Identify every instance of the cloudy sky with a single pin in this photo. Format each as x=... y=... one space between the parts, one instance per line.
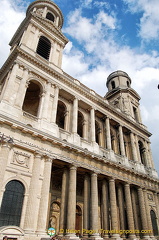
x=105 y=36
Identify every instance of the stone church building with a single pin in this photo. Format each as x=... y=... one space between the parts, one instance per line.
x=69 y=158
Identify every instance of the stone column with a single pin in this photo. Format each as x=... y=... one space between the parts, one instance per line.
x=71 y=214
x=149 y=222
x=121 y=207
x=44 y=12
x=7 y=96
x=137 y=149
x=156 y=196
x=75 y=115
x=113 y=208
x=41 y=104
x=84 y=129
x=86 y=204
x=108 y=136
x=105 y=204
x=121 y=139
x=129 y=211
x=22 y=89
x=31 y=209
x=133 y=147
x=66 y=122
x=46 y=102
x=55 y=105
x=135 y=212
x=150 y=155
x=94 y=203
x=44 y=200
x=64 y=196
x=142 y=212
x=4 y=154
x=93 y=137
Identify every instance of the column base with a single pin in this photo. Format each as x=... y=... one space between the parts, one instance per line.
x=146 y=237
x=95 y=237
x=71 y=237
x=133 y=237
x=116 y=237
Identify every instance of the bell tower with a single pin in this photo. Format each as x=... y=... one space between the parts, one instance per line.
x=26 y=78
x=122 y=96
x=40 y=33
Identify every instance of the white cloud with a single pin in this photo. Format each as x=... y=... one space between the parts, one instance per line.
x=89 y=30
x=9 y=21
x=149 y=22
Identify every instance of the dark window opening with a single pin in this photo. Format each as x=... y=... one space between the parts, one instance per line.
x=97 y=132
x=113 y=84
x=12 y=203
x=128 y=84
x=154 y=222
x=80 y=124
x=60 y=117
x=50 y=16
x=44 y=47
x=32 y=99
x=141 y=150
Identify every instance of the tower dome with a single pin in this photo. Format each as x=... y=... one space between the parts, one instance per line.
x=47 y=9
x=118 y=80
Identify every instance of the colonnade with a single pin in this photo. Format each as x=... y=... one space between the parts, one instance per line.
x=119 y=211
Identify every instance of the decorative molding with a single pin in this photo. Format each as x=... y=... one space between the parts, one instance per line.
x=22 y=159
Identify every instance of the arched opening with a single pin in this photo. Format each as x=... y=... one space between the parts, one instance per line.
x=80 y=124
x=113 y=84
x=50 y=16
x=32 y=99
x=44 y=47
x=97 y=132
x=60 y=117
x=78 y=227
x=128 y=84
x=54 y=215
x=12 y=203
x=154 y=223
x=141 y=151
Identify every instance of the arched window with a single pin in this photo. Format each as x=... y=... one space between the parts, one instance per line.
x=80 y=124
x=113 y=84
x=32 y=99
x=128 y=84
x=141 y=150
x=50 y=16
x=12 y=203
x=78 y=226
x=44 y=47
x=154 y=223
x=60 y=117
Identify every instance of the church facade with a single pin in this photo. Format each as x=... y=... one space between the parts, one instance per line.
x=70 y=159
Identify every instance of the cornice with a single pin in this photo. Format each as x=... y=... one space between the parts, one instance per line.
x=71 y=148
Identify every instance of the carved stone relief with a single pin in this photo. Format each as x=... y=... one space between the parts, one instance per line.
x=21 y=159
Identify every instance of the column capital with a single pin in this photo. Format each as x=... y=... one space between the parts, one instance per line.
x=37 y=154
x=111 y=180
x=73 y=167
x=94 y=173
x=48 y=159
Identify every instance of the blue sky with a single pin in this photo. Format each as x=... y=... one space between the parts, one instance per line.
x=105 y=36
